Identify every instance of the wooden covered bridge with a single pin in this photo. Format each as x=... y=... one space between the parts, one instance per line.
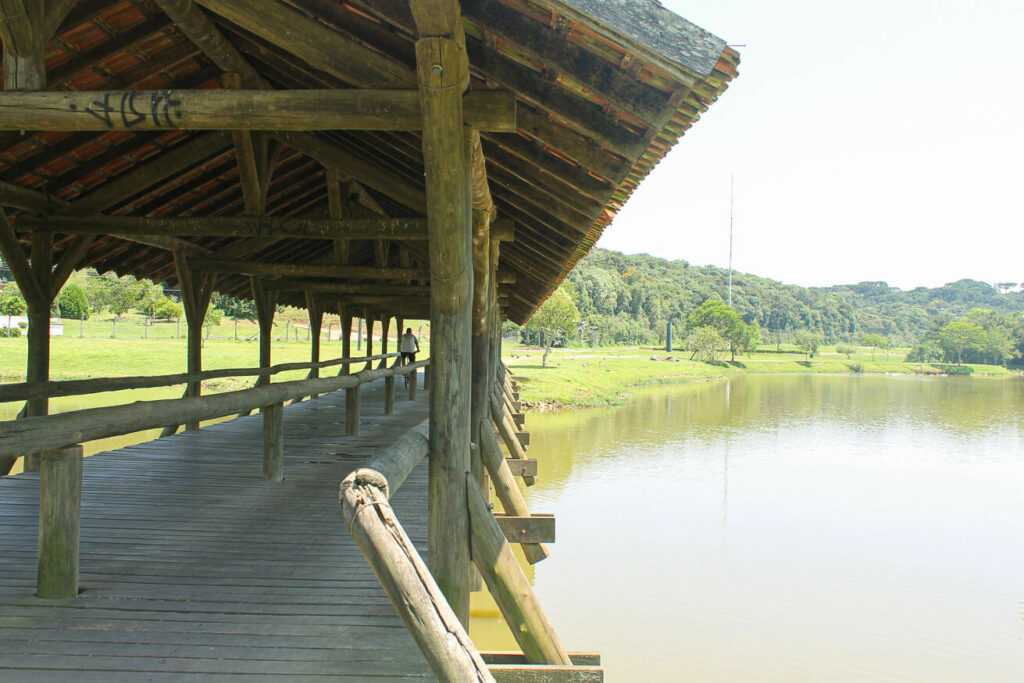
x=406 y=159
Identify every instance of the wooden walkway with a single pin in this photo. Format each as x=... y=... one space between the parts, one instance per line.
x=193 y=566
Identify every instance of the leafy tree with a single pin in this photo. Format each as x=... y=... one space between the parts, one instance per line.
x=166 y=309
x=745 y=338
x=847 y=349
x=556 y=318
x=808 y=341
x=72 y=303
x=238 y=309
x=706 y=342
x=960 y=336
x=875 y=341
x=11 y=301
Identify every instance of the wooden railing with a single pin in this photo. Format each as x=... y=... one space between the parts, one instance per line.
x=364 y=497
x=23 y=391
x=37 y=434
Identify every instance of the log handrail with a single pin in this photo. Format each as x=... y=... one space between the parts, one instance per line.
x=23 y=391
x=18 y=437
x=363 y=496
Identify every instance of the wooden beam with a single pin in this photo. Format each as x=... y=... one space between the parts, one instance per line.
x=393 y=185
x=232 y=226
x=547 y=44
x=503 y=230
x=522 y=468
x=148 y=174
x=305 y=270
x=53 y=14
x=18 y=197
x=286 y=110
x=506 y=277
x=348 y=288
x=314 y=43
x=533 y=528
x=18 y=26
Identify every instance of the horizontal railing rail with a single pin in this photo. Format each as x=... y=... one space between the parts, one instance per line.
x=35 y=434
x=24 y=391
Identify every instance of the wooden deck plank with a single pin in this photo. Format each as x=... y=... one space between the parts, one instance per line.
x=193 y=566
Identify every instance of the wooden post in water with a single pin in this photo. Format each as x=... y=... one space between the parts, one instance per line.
x=505 y=486
x=273 y=442
x=509 y=586
x=60 y=509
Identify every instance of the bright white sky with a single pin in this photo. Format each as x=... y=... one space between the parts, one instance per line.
x=878 y=140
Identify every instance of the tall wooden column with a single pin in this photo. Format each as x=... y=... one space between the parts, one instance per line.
x=316 y=323
x=40 y=280
x=266 y=304
x=369 y=338
x=385 y=326
x=481 y=387
x=196 y=290
x=345 y=314
x=443 y=72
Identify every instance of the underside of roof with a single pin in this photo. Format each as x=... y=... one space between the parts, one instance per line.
x=603 y=89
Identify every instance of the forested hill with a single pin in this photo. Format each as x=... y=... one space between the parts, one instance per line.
x=630 y=297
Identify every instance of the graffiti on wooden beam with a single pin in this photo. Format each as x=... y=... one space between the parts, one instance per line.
x=132 y=108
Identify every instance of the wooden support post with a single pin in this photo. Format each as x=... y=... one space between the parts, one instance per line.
x=345 y=316
x=60 y=509
x=316 y=323
x=273 y=442
x=443 y=73
x=413 y=379
x=352 y=409
x=389 y=395
x=509 y=586
x=505 y=486
x=266 y=304
x=40 y=281
x=385 y=324
x=426 y=378
x=369 y=338
x=196 y=290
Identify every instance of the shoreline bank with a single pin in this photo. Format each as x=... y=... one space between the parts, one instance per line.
x=606 y=377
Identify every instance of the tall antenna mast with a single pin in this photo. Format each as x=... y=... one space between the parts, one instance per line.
x=731 y=181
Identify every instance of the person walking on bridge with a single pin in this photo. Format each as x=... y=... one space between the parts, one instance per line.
x=409 y=346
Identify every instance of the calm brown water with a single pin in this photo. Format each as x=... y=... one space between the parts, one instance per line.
x=787 y=528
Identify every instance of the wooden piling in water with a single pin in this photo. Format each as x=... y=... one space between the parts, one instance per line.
x=509 y=586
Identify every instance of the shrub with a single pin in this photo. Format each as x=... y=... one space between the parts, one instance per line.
x=846 y=349
x=165 y=309
x=10 y=332
x=72 y=303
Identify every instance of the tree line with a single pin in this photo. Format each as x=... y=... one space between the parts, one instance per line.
x=614 y=298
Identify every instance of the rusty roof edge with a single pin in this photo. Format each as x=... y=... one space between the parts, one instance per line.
x=701 y=96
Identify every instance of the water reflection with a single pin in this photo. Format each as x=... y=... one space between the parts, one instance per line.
x=790 y=528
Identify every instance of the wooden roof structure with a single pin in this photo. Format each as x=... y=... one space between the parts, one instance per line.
x=602 y=90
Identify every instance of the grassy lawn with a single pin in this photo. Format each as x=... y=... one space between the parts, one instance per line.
x=603 y=376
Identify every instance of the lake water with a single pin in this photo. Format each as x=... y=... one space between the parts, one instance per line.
x=789 y=528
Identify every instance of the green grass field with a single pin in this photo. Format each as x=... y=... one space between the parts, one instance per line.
x=604 y=376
